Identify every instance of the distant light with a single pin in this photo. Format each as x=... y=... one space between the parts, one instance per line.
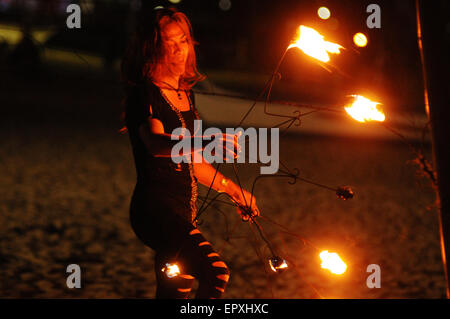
x=225 y=5
x=324 y=13
x=360 y=39
x=158 y=7
x=4 y=5
x=175 y=1
x=12 y=35
x=87 y=6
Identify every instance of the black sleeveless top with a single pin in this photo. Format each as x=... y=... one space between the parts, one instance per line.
x=168 y=185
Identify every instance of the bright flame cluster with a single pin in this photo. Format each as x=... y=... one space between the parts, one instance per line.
x=313 y=44
x=363 y=110
x=171 y=270
x=332 y=262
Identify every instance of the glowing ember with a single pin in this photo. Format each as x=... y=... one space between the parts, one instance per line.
x=363 y=110
x=332 y=262
x=277 y=264
x=171 y=270
x=312 y=43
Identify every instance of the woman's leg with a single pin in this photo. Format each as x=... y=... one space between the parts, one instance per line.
x=211 y=270
x=175 y=240
x=196 y=258
x=177 y=287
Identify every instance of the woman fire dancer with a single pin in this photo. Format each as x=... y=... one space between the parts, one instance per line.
x=159 y=69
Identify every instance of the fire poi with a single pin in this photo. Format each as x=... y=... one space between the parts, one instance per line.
x=332 y=262
x=313 y=44
x=363 y=110
x=171 y=270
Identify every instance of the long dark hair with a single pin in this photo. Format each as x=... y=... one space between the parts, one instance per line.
x=144 y=55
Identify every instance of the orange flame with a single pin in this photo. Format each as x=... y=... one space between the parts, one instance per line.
x=332 y=262
x=312 y=43
x=363 y=110
x=171 y=270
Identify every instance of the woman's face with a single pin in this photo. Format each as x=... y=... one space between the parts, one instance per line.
x=176 y=48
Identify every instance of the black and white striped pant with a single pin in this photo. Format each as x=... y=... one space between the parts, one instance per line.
x=196 y=260
x=176 y=240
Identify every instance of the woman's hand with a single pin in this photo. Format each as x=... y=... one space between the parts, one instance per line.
x=247 y=204
x=231 y=147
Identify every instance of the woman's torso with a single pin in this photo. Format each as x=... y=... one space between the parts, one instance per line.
x=162 y=184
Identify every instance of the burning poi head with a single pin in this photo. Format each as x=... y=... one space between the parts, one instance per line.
x=362 y=109
x=313 y=44
x=277 y=264
x=171 y=270
x=332 y=262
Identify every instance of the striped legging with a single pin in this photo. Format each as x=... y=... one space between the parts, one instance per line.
x=176 y=240
x=196 y=259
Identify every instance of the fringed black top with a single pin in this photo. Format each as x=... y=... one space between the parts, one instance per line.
x=168 y=185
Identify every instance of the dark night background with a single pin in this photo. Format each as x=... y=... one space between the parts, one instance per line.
x=67 y=174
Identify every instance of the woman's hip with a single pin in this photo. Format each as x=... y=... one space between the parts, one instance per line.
x=158 y=220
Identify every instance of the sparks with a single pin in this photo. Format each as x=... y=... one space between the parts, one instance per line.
x=312 y=43
x=363 y=110
x=332 y=262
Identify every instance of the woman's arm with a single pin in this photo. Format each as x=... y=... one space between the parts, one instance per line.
x=204 y=172
x=160 y=144
x=157 y=142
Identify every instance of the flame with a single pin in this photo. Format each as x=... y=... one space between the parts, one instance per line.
x=312 y=43
x=332 y=262
x=171 y=270
x=363 y=110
